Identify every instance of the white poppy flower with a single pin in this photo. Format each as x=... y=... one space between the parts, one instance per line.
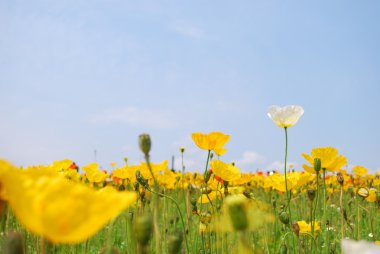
x=362 y=247
x=286 y=116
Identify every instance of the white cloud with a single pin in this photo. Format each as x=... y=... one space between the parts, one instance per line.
x=249 y=158
x=136 y=117
x=190 y=31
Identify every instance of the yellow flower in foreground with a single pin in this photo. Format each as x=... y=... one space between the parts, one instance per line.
x=211 y=141
x=61 y=211
x=257 y=214
x=330 y=160
x=359 y=170
x=225 y=171
x=306 y=227
x=286 y=116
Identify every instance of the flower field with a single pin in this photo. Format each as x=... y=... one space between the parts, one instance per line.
x=148 y=208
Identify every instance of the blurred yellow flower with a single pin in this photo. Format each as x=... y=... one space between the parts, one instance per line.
x=123 y=173
x=206 y=198
x=306 y=227
x=286 y=116
x=211 y=141
x=372 y=195
x=220 y=151
x=225 y=171
x=61 y=211
x=359 y=170
x=330 y=160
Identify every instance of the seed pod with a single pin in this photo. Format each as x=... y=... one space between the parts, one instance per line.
x=144 y=229
x=145 y=143
x=175 y=243
x=317 y=164
x=284 y=217
x=311 y=194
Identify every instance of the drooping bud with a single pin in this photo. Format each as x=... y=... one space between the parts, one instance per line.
x=237 y=209
x=284 y=217
x=144 y=229
x=311 y=194
x=340 y=178
x=363 y=192
x=175 y=243
x=13 y=244
x=317 y=164
x=145 y=143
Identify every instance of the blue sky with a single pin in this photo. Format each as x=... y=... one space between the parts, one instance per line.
x=76 y=76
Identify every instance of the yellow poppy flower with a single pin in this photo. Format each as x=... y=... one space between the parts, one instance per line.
x=211 y=196
x=225 y=171
x=211 y=141
x=306 y=227
x=220 y=151
x=286 y=116
x=61 y=211
x=359 y=170
x=372 y=197
x=330 y=160
x=123 y=173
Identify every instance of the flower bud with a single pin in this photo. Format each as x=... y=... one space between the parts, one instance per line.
x=143 y=229
x=13 y=244
x=317 y=164
x=145 y=143
x=311 y=194
x=136 y=186
x=207 y=176
x=284 y=217
x=206 y=190
x=126 y=160
x=340 y=179
x=175 y=243
x=237 y=210
x=182 y=149
x=363 y=192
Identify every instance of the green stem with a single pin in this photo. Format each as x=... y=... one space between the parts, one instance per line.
x=286 y=181
x=180 y=214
